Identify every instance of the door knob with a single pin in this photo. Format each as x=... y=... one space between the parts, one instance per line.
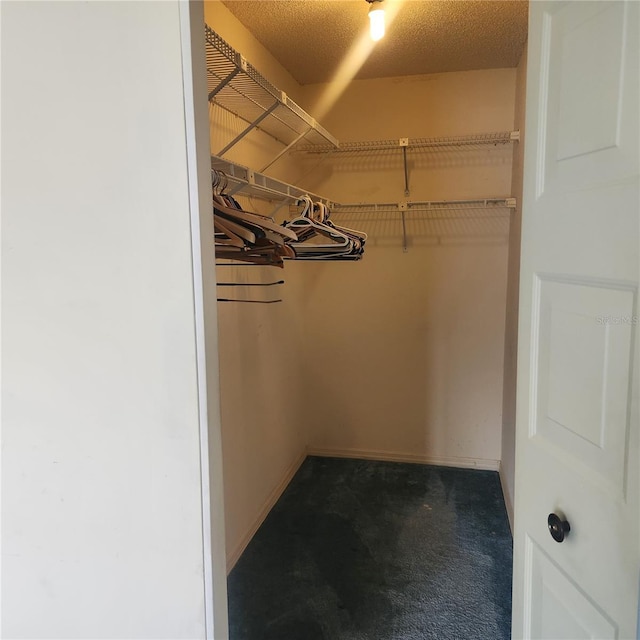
x=558 y=527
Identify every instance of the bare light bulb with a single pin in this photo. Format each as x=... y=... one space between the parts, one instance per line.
x=376 y=21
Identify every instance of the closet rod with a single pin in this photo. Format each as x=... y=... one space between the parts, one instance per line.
x=413 y=144
x=252 y=125
x=287 y=148
x=247 y=182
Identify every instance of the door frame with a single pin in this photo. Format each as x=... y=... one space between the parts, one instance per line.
x=192 y=41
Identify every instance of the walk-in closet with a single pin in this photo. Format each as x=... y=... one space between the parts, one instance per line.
x=398 y=351
x=264 y=286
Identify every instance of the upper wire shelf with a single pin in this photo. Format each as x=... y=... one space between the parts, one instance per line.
x=475 y=139
x=238 y=87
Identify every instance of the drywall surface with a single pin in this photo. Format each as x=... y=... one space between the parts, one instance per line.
x=264 y=433
x=426 y=105
x=437 y=105
x=507 y=472
x=404 y=350
x=102 y=523
x=263 y=436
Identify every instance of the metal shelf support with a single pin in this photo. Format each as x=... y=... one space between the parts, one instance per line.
x=251 y=126
x=289 y=146
x=402 y=206
x=404 y=143
x=232 y=74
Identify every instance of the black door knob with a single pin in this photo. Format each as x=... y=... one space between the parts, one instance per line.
x=558 y=527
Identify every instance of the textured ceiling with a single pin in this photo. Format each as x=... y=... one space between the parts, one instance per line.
x=311 y=37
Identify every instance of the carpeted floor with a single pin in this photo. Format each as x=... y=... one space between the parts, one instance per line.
x=363 y=550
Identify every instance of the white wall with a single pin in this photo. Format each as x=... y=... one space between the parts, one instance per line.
x=101 y=469
x=404 y=351
x=507 y=466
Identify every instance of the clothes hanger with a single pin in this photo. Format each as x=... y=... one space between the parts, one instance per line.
x=231 y=228
x=307 y=228
x=251 y=301
x=270 y=255
x=264 y=222
x=239 y=264
x=247 y=237
x=359 y=237
x=249 y=284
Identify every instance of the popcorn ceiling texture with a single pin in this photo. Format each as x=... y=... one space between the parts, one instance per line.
x=311 y=37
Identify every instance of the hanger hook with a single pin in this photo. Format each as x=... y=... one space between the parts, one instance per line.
x=307 y=205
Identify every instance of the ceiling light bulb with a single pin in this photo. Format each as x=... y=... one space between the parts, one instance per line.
x=376 y=20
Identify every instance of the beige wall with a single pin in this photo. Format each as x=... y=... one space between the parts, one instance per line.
x=416 y=106
x=426 y=105
x=263 y=436
x=404 y=351
x=507 y=471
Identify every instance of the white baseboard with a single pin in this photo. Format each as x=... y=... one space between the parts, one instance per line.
x=508 y=502
x=234 y=555
x=395 y=456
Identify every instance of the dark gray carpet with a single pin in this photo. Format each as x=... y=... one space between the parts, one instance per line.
x=362 y=550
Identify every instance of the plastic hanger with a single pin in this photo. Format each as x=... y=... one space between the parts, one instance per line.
x=307 y=228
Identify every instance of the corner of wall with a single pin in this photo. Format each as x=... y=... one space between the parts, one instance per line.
x=507 y=464
x=262 y=442
x=507 y=494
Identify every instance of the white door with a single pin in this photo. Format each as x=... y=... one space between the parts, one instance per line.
x=577 y=451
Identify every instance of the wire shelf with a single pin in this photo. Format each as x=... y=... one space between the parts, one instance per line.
x=433 y=208
x=238 y=87
x=436 y=219
x=415 y=144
